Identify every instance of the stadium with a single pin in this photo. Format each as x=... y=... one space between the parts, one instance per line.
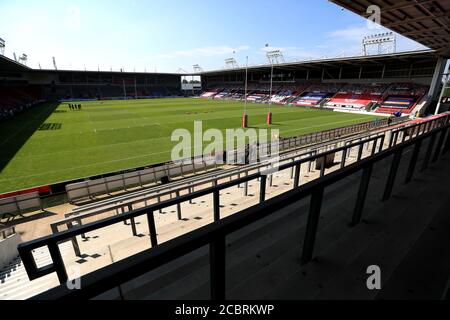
x=93 y=204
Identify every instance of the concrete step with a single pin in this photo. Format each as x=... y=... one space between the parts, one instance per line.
x=387 y=249
x=424 y=272
x=344 y=257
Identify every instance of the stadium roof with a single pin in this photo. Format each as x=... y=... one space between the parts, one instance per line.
x=424 y=21
x=7 y=64
x=411 y=56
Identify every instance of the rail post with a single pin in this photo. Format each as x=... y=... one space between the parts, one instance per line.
x=392 y=174
x=362 y=194
x=152 y=229
x=312 y=225
x=217 y=268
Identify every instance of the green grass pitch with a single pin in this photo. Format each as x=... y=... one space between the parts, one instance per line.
x=52 y=143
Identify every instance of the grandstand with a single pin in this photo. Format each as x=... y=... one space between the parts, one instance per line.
x=402 y=97
x=398 y=82
x=354 y=187
x=22 y=85
x=15 y=99
x=357 y=96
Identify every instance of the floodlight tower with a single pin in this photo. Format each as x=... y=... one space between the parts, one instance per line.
x=231 y=63
x=387 y=38
x=2 y=47
x=23 y=59
x=197 y=68
x=273 y=56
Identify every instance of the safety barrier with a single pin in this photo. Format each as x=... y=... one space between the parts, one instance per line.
x=89 y=189
x=17 y=205
x=214 y=234
x=128 y=203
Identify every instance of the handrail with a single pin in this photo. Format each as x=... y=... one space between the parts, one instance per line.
x=15 y=205
x=58 y=265
x=70 y=235
x=311 y=157
x=157 y=188
x=144 y=194
x=214 y=234
x=302 y=137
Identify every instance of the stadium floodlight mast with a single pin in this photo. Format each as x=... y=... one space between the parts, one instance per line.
x=273 y=56
x=23 y=59
x=197 y=68
x=231 y=63
x=2 y=47
x=387 y=38
x=245 y=115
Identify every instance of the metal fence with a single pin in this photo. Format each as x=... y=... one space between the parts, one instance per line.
x=127 y=203
x=122 y=182
x=15 y=206
x=95 y=283
x=89 y=189
x=181 y=186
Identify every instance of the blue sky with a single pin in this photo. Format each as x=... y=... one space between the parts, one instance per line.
x=165 y=35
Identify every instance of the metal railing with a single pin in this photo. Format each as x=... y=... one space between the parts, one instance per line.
x=14 y=206
x=122 y=182
x=123 y=205
x=286 y=146
x=214 y=234
x=126 y=202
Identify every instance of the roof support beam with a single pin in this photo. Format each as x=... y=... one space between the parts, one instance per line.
x=408 y=20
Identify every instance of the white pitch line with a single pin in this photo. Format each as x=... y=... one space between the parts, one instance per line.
x=85 y=166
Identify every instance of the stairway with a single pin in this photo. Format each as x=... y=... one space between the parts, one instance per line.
x=14 y=282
